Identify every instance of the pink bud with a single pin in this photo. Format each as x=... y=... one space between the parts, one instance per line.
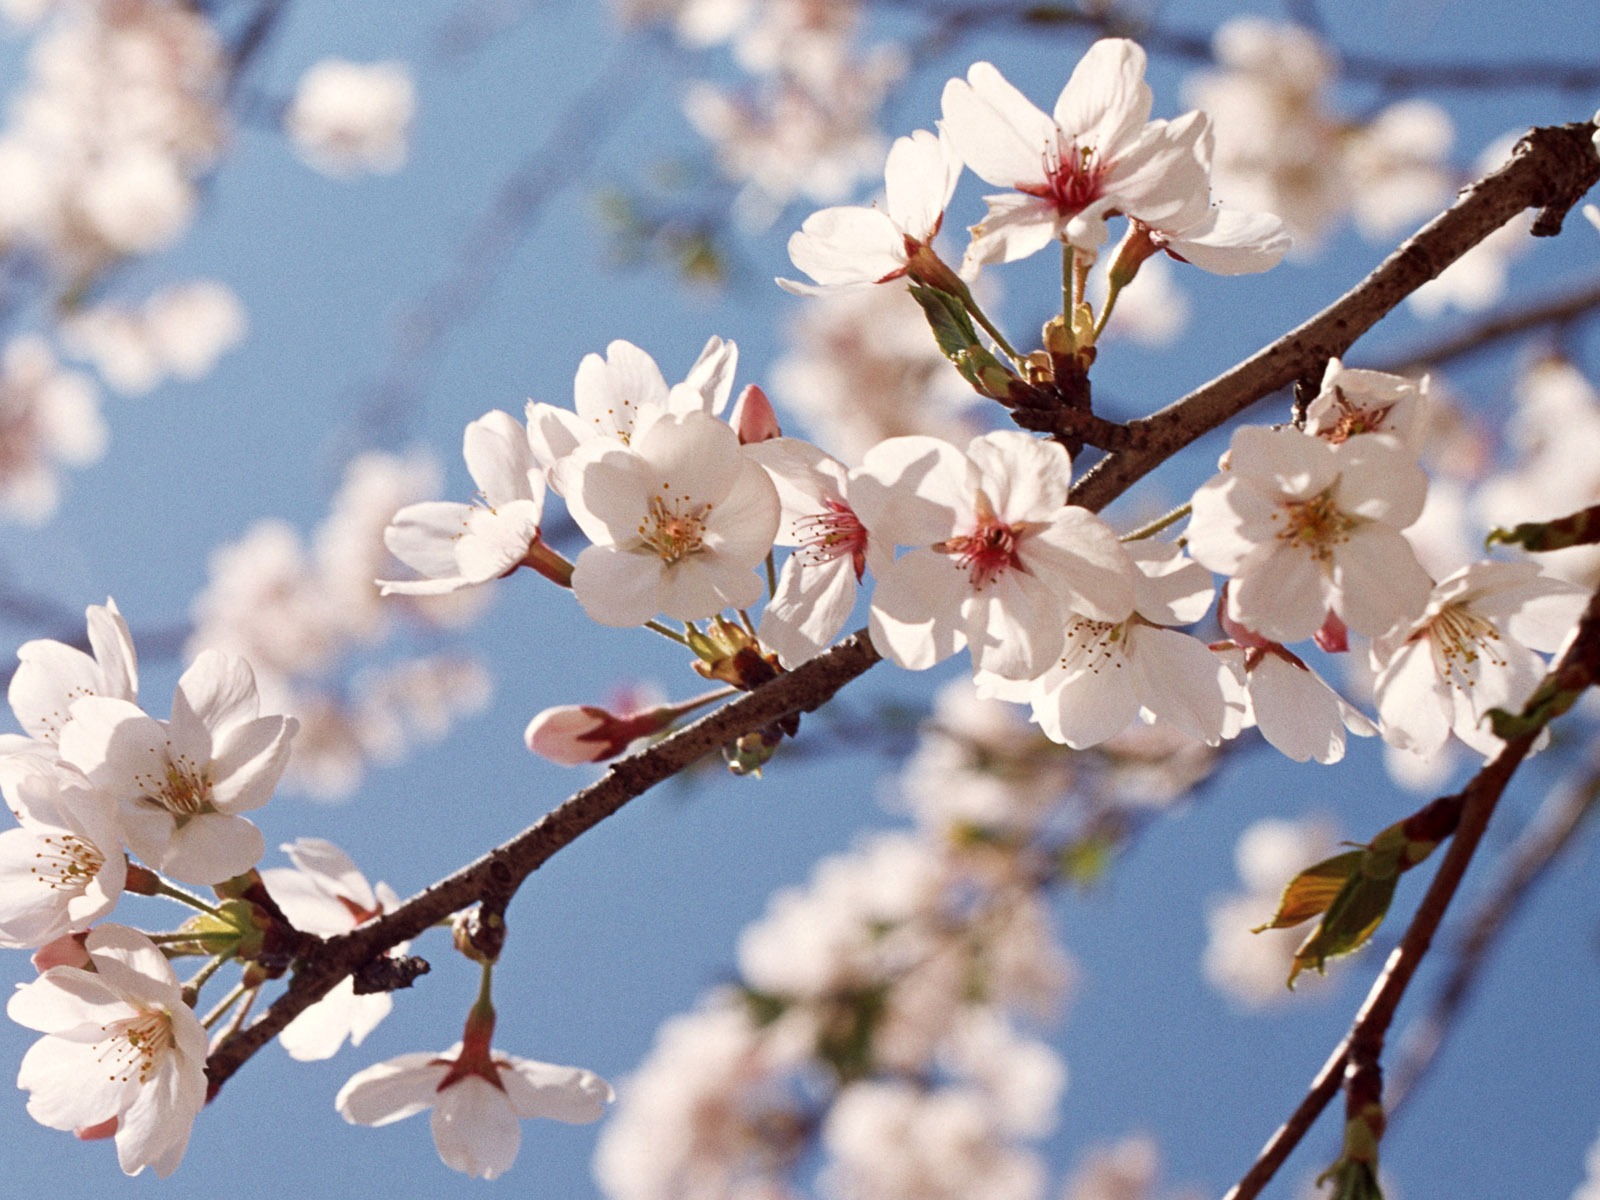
x=66 y=951
x=753 y=418
x=1333 y=637
x=570 y=734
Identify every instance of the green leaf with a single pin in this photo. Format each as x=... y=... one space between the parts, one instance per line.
x=948 y=319
x=1314 y=890
x=1351 y=919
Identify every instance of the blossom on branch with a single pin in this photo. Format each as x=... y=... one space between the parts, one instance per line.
x=50 y=675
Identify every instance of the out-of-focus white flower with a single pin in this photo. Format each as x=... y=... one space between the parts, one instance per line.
x=181 y=784
x=120 y=1047
x=477 y=1099
x=137 y=201
x=861 y=368
x=326 y=894
x=858 y=247
x=680 y=518
x=1589 y=1189
x=47 y=415
x=999 y=557
x=1098 y=154
x=1478 y=278
x=1123 y=1171
x=1472 y=650
x=179 y=332
x=349 y=118
x=1305 y=527
x=1396 y=168
x=51 y=675
x=1250 y=968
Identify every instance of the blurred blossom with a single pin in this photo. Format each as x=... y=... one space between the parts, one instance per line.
x=350 y=119
x=1152 y=311
x=48 y=415
x=1251 y=968
x=1123 y=1171
x=1395 y=168
x=179 y=332
x=1477 y=279
x=862 y=366
x=1589 y=1189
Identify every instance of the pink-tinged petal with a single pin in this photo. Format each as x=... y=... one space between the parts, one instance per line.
x=49 y=677
x=249 y=762
x=475 y=1130
x=609 y=392
x=67 y=1085
x=1015 y=226
x=318 y=1032
x=64 y=1000
x=709 y=383
x=154 y=1131
x=554 y=433
x=1379 y=582
x=496 y=540
x=498 y=457
x=805 y=477
x=219 y=690
x=1379 y=479
x=995 y=129
x=809 y=608
x=569 y=1094
x=1281 y=593
x=618 y=587
x=908 y=490
x=701 y=585
x=744 y=523
x=1180 y=680
x=1026 y=478
x=1214 y=535
x=1106 y=101
x=1233 y=243
x=1170 y=588
x=1296 y=712
x=919 y=179
x=1085 y=708
x=423 y=536
x=1014 y=626
x=848 y=246
x=607 y=489
x=113 y=650
x=1413 y=702
x=331 y=871
x=393 y=1090
x=111 y=741
x=916 y=609
x=209 y=848
x=1079 y=558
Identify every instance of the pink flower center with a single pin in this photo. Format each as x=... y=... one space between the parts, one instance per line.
x=1351 y=419
x=832 y=534
x=1074 y=179
x=990 y=550
x=1460 y=637
x=674 y=529
x=1316 y=525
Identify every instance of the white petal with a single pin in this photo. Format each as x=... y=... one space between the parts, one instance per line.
x=393 y=1090
x=916 y=609
x=1296 y=712
x=1106 y=101
x=500 y=460
x=919 y=179
x=618 y=587
x=568 y=1094
x=474 y=1128
x=842 y=247
x=208 y=848
x=995 y=129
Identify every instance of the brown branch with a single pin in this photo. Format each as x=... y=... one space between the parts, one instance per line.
x=1552 y=829
x=1376 y=1014
x=1551 y=169
x=1562 y=308
x=502 y=870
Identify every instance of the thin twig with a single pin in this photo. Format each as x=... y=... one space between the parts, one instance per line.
x=1562 y=308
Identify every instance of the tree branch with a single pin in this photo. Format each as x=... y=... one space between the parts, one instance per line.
x=1559 y=309
x=1376 y=1015
x=1552 y=167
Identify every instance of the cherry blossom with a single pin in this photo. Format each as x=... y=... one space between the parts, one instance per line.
x=181 y=784
x=64 y=868
x=326 y=894
x=120 y=1048
x=680 y=518
x=349 y=118
x=1304 y=526
x=611 y=395
x=459 y=545
x=51 y=675
x=999 y=557
x=855 y=247
x=1472 y=650
x=1352 y=402
x=477 y=1096
x=1098 y=154
x=1296 y=711
x=817 y=586
x=47 y=415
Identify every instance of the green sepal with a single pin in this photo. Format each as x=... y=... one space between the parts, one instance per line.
x=1578 y=529
x=1555 y=695
x=947 y=316
x=1352 y=1180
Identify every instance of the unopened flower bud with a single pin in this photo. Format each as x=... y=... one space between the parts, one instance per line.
x=753 y=418
x=478 y=935
x=1333 y=637
x=1136 y=246
x=570 y=734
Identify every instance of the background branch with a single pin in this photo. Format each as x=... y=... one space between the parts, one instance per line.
x=1558 y=310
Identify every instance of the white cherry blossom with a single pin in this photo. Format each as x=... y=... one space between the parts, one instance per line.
x=181 y=784
x=64 y=868
x=998 y=556
x=476 y=1099
x=1472 y=650
x=1352 y=401
x=350 y=118
x=856 y=247
x=120 y=1046
x=51 y=675
x=1296 y=711
x=1304 y=526
x=326 y=894
x=817 y=586
x=680 y=518
x=459 y=545
x=1097 y=154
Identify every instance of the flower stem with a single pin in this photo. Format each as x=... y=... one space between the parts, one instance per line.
x=163 y=888
x=772 y=576
x=1112 y=293
x=1160 y=523
x=227 y=1002
x=989 y=327
x=191 y=989
x=658 y=627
